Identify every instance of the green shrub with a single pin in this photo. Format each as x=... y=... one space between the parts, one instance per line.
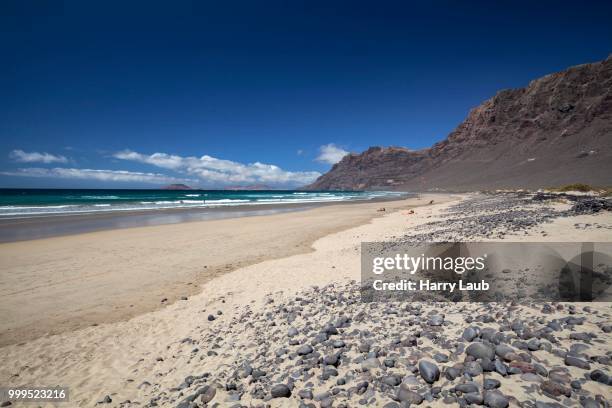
x=575 y=187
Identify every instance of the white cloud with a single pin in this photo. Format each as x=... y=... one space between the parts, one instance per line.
x=218 y=171
x=164 y=160
x=35 y=157
x=100 y=175
x=331 y=154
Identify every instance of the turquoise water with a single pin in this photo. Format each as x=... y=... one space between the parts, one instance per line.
x=24 y=203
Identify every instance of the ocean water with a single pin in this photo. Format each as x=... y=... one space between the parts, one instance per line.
x=26 y=203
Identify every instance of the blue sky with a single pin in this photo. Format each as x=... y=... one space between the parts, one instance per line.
x=139 y=94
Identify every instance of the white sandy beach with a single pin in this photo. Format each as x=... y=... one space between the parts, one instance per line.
x=75 y=281
x=71 y=280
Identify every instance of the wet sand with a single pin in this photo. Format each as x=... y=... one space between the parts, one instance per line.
x=46 y=226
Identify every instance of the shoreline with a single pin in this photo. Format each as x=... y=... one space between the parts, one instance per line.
x=57 y=225
x=114 y=275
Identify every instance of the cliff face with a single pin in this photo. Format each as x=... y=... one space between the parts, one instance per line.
x=371 y=169
x=557 y=130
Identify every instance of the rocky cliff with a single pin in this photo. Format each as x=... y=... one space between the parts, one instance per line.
x=557 y=130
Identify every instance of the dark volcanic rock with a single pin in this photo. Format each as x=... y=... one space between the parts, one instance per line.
x=435 y=320
x=555 y=389
x=577 y=362
x=469 y=334
x=280 y=391
x=370 y=363
x=600 y=377
x=495 y=399
x=392 y=380
x=406 y=395
x=207 y=393
x=480 y=350
x=491 y=384
x=474 y=398
x=304 y=350
x=467 y=388
x=429 y=371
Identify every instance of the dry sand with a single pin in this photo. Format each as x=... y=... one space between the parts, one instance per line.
x=76 y=281
x=135 y=359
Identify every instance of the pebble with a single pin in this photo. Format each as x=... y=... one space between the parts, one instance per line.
x=588 y=402
x=280 y=391
x=451 y=373
x=305 y=350
x=364 y=348
x=406 y=395
x=576 y=385
x=469 y=334
x=429 y=371
x=392 y=380
x=577 y=362
x=480 y=350
x=600 y=377
x=370 y=363
x=331 y=360
x=207 y=393
x=490 y=383
x=530 y=377
x=555 y=389
x=466 y=388
x=495 y=399
x=305 y=394
x=505 y=352
x=436 y=320
x=474 y=398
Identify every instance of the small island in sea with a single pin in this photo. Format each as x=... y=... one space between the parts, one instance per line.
x=176 y=187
